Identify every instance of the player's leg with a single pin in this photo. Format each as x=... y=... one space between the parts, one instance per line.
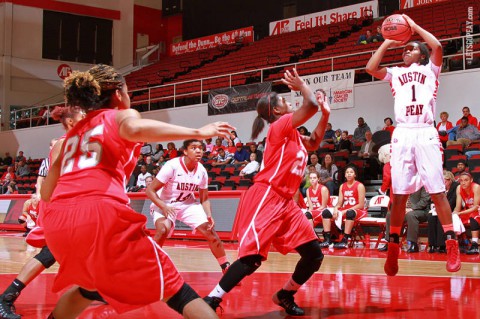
x=189 y=304
x=396 y=221
x=475 y=228
x=327 y=227
x=162 y=229
x=44 y=259
x=72 y=303
x=215 y=244
x=310 y=261
x=349 y=222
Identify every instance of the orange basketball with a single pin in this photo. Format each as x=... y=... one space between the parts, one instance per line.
x=395 y=27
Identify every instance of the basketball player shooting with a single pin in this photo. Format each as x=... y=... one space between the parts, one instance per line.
x=416 y=148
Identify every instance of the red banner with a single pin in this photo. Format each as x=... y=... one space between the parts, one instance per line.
x=405 y=4
x=245 y=35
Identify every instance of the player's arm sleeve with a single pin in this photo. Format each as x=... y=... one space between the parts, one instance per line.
x=435 y=68
x=388 y=76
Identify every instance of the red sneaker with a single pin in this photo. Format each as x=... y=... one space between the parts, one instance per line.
x=453 y=256
x=391 y=264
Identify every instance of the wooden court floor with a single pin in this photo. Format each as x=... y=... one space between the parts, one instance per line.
x=350 y=284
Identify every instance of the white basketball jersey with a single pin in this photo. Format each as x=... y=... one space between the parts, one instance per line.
x=414 y=89
x=180 y=183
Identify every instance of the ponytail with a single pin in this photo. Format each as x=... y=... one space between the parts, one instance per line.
x=257 y=127
x=265 y=107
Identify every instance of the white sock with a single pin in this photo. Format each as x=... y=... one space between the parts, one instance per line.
x=217 y=292
x=474 y=240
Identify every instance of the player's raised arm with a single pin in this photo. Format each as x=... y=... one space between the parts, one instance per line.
x=437 y=50
x=373 y=66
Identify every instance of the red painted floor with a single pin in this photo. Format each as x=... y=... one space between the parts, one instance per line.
x=325 y=296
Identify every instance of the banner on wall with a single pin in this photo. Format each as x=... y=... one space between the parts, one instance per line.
x=325 y=17
x=338 y=85
x=237 y=99
x=245 y=35
x=405 y=4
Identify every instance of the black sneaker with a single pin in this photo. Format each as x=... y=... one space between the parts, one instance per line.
x=7 y=309
x=213 y=302
x=473 y=249
x=325 y=244
x=284 y=298
x=342 y=244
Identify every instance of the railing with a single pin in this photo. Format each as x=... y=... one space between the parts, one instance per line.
x=194 y=91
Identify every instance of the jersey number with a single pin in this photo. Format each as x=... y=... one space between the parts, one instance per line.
x=299 y=165
x=91 y=151
x=413 y=93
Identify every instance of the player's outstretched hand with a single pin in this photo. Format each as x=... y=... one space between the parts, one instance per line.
x=323 y=105
x=168 y=211
x=211 y=223
x=393 y=43
x=216 y=129
x=410 y=22
x=293 y=80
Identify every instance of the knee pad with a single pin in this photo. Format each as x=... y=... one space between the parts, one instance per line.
x=309 y=215
x=91 y=295
x=45 y=257
x=327 y=214
x=179 y=300
x=350 y=215
x=474 y=224
x=251 y=263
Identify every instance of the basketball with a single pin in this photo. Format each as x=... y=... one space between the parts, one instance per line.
x=395 y=27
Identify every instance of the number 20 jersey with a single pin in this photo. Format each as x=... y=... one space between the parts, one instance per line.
x=414 y=89
x=96 y=161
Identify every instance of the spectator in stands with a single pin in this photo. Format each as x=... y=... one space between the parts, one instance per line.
x=472 y=120
x=359 y=133
x=161 y=162
x=146 y=149
x=149 y=164
x=461 y=167
x=315 y=162
x=12 y=188
x=337 y=138
x=418 y=206
x=4 y=184
x=468 y=207
x=466 y=133
x=350 y=207
x=231 y=148
x=20 y=157
x=303 y=131
x=218 y=145
x=328 y=173
x=148 y=181
x=8 y=160
x=241 y=156
x=42 y=116
x=378 y=37
x=22 y=169
x=436 y=235
x=345 y=144
x=208 y=146
x=388 y=125
x=158 y=152
x=362 y=39
x=251 y=168
x=442 y=127
x=368 y=154
x=140 y=160
x=261 y=145
x=254 y=149
x=223 y=158
x=9 y=172
x=236 y=140
x=171 y=151
x=142 y=176
x=329 y=136
x=305 y=184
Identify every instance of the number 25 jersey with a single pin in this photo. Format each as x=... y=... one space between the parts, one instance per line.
x=96 y=161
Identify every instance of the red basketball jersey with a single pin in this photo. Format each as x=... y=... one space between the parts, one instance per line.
x=316 y=197
x=350 y=195
x=468 y=199
x=33 y=212
x=96 y=161
x=284 y=159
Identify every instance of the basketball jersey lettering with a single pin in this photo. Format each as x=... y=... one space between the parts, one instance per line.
x=412 y=77
x=91 y=151
x=182 y=198
x=299 y=164
x=187 y=187
x=414 y=109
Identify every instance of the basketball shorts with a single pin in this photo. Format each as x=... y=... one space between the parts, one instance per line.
x=265 y=218
x=192 y=215
x=101 y=245
x=416 y=160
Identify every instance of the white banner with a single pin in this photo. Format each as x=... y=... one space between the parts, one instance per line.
x=338 y=85
x=317 y=19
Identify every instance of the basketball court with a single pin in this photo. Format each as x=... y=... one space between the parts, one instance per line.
x=350 y=284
